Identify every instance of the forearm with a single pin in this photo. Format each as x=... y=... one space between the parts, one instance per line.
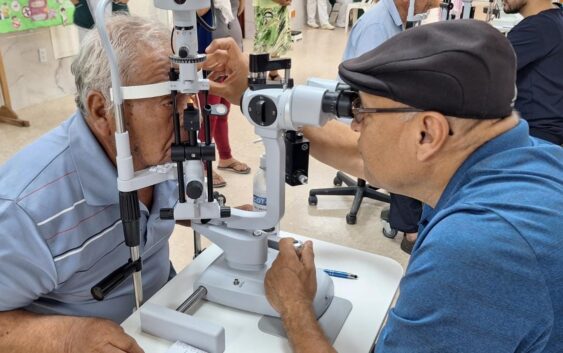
x=336 y=145
x=24 y=332
x=304 y=332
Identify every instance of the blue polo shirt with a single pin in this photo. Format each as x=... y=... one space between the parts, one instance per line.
x=486 y=273
x=378 y=24
x=538 y=43
x=60 y=228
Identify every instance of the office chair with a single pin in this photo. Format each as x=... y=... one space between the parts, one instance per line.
x=359 y=189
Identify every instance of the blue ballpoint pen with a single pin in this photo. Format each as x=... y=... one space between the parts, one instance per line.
x=340 y=274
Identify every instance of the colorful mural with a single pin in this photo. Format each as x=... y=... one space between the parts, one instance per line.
x=21 y=15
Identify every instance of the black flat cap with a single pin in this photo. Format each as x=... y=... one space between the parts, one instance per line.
x=461 y=68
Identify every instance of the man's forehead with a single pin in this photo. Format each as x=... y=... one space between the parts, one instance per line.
x=149 y=75
x=153 y=66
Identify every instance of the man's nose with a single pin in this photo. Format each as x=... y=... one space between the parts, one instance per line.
x=355 y=126
x=182 y=102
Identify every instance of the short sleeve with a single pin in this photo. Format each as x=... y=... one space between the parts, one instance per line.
x=473 y=285
x=528 y=40
x=27 y=270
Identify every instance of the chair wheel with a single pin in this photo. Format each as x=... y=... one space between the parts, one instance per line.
x=221 y=199
x=337 y=181
x=389 y=232
x=313 y=200
x=350 y=219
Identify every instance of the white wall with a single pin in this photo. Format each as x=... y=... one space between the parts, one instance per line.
x=32 y=82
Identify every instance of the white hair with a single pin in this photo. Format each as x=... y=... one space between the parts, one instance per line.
x=129 y=36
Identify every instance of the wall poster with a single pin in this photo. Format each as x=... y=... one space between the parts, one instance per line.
x=21 y=15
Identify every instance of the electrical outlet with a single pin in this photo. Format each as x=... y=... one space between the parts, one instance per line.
x=42 y=55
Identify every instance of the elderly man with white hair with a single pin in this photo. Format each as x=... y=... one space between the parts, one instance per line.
x=60 y=226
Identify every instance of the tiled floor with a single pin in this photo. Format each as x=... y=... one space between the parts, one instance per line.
x=318 y=55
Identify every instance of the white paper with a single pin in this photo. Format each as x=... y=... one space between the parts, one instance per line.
x=65 y=41
x=181 y=347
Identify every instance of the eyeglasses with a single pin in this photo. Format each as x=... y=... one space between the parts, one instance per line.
x=358 y=112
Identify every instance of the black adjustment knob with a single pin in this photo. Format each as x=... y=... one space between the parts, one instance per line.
x=114 y=279
x=194 y=189
x=166 y=213
x=183 y=52
x=225 y=212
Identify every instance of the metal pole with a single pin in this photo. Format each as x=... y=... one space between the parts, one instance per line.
x=192 y=299
x=137 y=281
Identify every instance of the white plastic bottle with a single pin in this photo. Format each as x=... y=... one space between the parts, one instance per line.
x=260 y=193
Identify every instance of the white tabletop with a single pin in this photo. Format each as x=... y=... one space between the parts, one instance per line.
x=371 y=295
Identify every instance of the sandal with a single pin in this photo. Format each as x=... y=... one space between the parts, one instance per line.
x=236 y=167
x=218 y=181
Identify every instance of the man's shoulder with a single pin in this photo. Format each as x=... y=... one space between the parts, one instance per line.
x=378 y=15
x=546 y=23
x=42 y=165
x=513 y=199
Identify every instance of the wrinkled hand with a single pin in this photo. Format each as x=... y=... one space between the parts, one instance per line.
x=228 y=68
x=292 y=278
x=92 y=335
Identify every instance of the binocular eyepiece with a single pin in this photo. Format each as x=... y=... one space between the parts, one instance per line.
x=339 y=102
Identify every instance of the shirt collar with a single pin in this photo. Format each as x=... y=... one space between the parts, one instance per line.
x=518 y=136
x=97 y=174
x=392 y=9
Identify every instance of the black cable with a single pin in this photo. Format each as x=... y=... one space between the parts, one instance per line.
x=178 y=141
x=207 y=127
x=172 y=41
x=201 y=21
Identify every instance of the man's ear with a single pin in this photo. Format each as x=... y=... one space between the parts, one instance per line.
x=98 y=118
x=433 y=131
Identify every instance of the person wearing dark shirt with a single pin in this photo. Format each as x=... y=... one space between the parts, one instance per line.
x=538 y=43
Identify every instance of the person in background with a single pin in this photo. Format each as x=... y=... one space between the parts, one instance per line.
x=341 y=18
x=383 y=21
x=538 y=43
x=227 y=25
x=84 y=18
x=318 y=7
x=273 y=33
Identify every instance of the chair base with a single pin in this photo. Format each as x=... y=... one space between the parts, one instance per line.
x=357 y=189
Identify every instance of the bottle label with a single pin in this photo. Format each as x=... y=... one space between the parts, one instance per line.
x=259 y=202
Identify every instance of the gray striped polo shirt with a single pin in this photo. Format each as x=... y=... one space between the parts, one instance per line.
x=60 y=228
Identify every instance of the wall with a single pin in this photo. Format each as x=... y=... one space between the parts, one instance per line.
x=32 y=82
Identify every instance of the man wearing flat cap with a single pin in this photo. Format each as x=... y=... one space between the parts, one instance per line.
x=436 y=123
